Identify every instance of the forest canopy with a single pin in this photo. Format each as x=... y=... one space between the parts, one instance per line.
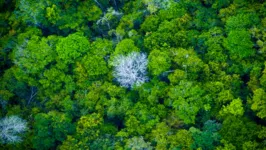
x=133 y=74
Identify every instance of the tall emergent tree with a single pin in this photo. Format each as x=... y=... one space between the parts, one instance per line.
x=10 y=129
x=130 y=70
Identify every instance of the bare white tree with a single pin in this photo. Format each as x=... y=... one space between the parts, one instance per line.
x=130 y=70
x=10 y=128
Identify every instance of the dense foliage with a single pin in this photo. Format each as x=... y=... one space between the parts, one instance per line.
x=133 y=74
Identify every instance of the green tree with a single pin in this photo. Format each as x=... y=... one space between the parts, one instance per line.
x=235 y=108
x=241 y=21
x=158 y=58
x=138 y=143
x=187 y=98
x=226 y=146
x=125 y=47
x=94 y=65
x=177 y=76
x=237 y=130
x=263 y=77
x=181 y=140
x=205 y=18
x=87 y=130
x=35 y=54
x=213 y=42
x=239 y=44
x=188 y=61
x=258 y=103
x=54 y=80
x=32 y=12
x=101 y=47
x=58 y=13
x=150 y=23
x=160 y=136
x=250 y=145
x=72 y=47
x=155 y=5
x=11 y=87
x=51 y=128
x=208 y=138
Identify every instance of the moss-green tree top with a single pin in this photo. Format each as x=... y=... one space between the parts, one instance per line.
x=239 y=44
x=72 y=47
